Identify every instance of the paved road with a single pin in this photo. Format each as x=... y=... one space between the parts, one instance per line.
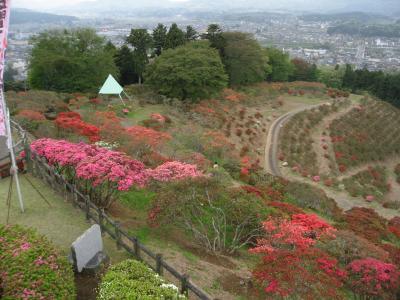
x=271 y=148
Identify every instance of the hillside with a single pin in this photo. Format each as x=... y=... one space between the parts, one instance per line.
x=229 y=130
x=24 y=16
x=352 y=149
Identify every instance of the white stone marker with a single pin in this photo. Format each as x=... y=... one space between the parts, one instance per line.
x=87 y=246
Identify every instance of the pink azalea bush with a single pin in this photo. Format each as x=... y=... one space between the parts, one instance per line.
x=106 y=170
x=174 y=170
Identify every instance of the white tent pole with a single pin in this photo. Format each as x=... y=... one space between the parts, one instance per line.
x=121 y=99
x=127 y=95
x=14 y=168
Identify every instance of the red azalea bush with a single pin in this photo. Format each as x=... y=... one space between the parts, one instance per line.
x=367 y=223
x=370 y=277
x=73 y=121
x=30 y=119
x=105 y=170
x=31 y=115
x=147 y=135
x=31 y=267
x=291 y=265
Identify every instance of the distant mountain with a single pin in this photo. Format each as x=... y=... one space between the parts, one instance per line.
x=358 y=17
x=112 y=7
x=25 y=16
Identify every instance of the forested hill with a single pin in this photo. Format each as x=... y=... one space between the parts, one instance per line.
x=23 y=16
x=370 y=30
x=345 y=17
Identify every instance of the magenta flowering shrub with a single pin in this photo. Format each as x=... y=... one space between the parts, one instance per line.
x=31 y=268
x=374 y=278
x=100 y=172
x=174 y=170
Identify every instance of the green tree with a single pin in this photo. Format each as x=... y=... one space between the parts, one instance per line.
x=141 y=41
x=175 y=37
x=332 y=77
x=214 y=35
x=282 y=68
x=159 y=38
x=70 y=60
x=126 y=64
x=244 y=59
x=192 y=71
x=349 y=77
x=191 y=34
x=303 y=71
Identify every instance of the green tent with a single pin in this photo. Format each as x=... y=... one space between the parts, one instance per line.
x=112 y=87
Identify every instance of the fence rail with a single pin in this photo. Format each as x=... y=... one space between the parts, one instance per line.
x=123 y=240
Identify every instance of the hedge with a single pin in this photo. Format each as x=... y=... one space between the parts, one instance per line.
x=32 y=268
x=132 y=279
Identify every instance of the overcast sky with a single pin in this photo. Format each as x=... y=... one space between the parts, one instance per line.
x=43 y=4
x=362 y=5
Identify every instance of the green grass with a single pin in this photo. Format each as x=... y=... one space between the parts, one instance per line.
x=61 y=223
x=190 y=256
x=142 y=234
x=306 y=99
x=137 y=199
x=139 y=113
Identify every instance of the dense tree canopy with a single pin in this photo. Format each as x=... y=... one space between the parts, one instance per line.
x=383 y=85
x=175 y=37
x=243 y=58
x=192 y=71
x=141 y=41
x=70 y=60
x=282 y=68
x=303 y=71
x=331 y=76
x=191 y=34
x=159 y=38
x=125 y=62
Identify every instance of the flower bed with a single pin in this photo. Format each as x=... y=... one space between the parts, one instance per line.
x=370 y=184
x=131 y=279
x=296 y=143
x=367 y=133
x=100 y=172
x=31 y=268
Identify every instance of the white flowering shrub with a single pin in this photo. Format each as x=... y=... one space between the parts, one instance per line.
x=132 y=279
x=109 y=146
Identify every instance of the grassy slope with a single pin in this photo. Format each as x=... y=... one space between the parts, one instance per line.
x=61 y=223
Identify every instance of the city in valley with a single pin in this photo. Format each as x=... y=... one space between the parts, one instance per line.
x=312 y=37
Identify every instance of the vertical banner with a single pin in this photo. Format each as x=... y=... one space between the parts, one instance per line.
x=4 y=21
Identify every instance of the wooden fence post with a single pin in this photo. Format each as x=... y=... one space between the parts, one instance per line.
x=28 y=158
x=184 y=282
x=136 y=248
x=159 y=267
x=101 y=220
x=87 y=208
x=74 y=196
x=118 y=235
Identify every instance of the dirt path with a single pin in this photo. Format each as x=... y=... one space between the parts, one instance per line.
x=317 y=136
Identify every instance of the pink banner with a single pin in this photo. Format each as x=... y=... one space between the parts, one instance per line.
x=4 y=21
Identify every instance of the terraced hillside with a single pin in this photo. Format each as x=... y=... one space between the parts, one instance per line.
x=351 y=147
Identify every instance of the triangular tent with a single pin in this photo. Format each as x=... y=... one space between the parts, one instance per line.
x=111 y=87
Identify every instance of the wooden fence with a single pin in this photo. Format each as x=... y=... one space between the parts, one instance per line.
x=58 y=182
